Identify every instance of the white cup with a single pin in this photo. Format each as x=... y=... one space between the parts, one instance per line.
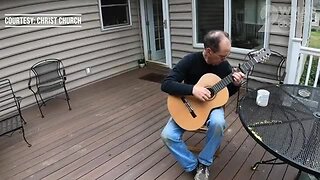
x=262 y=97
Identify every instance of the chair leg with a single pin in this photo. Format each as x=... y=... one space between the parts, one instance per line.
x=255 y=166
x=238 y=99
x=67 y=96
x=39 y=106
x=43 y=102
x=24 y=137
x=24 y=122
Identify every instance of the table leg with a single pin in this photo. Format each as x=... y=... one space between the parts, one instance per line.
x=255 y=166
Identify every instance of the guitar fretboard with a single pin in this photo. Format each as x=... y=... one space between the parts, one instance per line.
x=245 y=67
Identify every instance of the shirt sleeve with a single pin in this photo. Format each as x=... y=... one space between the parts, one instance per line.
x=172 y=84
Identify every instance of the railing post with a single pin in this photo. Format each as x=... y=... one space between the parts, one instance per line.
x=292 y=60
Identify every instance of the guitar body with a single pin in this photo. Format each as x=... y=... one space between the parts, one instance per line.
x=180 y=112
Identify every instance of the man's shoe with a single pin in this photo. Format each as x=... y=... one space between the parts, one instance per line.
x=202 y=172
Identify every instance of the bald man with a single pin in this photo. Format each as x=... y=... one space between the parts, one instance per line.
x=181 y=82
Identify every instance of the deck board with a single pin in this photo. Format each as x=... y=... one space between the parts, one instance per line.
x=113 y=132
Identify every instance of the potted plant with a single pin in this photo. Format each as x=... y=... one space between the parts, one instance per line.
x=142 y=63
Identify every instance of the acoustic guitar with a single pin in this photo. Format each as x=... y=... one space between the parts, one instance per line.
x=190 y=113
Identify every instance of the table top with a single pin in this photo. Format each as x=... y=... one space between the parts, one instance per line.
x=289 y=126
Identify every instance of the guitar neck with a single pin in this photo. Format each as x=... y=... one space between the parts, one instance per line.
x=245 y=67
x=222 y=84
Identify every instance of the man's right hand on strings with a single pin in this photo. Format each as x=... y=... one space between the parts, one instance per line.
x=201 y=93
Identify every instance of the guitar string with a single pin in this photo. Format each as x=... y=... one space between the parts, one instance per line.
x=228 y=79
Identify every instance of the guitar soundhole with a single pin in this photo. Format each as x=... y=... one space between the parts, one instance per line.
x=212 y=97
x=212 y=93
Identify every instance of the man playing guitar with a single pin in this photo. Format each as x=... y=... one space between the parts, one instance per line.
x=181 y=81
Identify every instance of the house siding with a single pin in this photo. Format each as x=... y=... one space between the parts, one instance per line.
x=107 y=53
x=181 y=28
x=181 y=33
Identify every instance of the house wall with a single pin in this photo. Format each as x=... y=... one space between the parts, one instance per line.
x=181 y=33
x=107 y=53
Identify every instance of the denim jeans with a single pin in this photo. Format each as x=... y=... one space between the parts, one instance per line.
x=172 y=138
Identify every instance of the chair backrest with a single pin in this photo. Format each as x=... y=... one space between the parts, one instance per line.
x=8 y=103
x=49 y=75
x=10 y=114
x=48 y=70
x=272 y=71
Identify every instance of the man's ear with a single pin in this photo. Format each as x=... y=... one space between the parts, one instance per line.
x=208 y=51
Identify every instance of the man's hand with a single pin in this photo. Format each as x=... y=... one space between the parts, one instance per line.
x=237 y=78
x=201 y=93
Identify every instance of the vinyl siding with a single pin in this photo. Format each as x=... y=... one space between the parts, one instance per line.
x=181 y=33
x=107 y=53
x=181 y=28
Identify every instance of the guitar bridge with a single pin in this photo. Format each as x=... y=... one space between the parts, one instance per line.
x=186 y=103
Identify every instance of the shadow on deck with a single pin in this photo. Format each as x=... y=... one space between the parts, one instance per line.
x=113 y=132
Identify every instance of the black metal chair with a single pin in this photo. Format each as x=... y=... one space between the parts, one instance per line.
x=259 y=75
x=10 y=113
x=48 y=76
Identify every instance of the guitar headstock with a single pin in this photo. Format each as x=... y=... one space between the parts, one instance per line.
x=262 y=55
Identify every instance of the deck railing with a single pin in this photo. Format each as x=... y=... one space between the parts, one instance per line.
x=304 y=65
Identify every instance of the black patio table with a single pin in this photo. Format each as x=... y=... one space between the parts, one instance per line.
x=288 y=127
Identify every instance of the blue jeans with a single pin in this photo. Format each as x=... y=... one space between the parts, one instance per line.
x=172 y=138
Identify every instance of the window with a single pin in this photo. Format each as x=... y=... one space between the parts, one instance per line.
x=114 y=13
x=242 y=19
x=209 y=16
x=246 y=22
x=313 y=19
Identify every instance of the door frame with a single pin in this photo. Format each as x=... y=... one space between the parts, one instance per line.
x=167 y=35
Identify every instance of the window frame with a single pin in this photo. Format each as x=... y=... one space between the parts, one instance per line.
x=106 y=28
x=227 y=26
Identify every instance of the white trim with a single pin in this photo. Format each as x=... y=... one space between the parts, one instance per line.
x=198 y=45
x=316 y=79
x=291 y=71
x=167 y=35
x=240 y=50
x=194 y=26
x=105 y=28
x=308 y=70
x=227 y=15
x=293 y=74
x=144 y=28
x=307 y=22
x=267 y=25
x=100 y=15
x=310 y=51
x=293 y=19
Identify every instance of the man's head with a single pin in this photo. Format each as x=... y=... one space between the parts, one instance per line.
x=217 y=46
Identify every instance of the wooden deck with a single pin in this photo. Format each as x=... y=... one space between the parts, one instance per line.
x=113 y=132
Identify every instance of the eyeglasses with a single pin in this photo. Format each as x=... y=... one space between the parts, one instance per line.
x=222 y=57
